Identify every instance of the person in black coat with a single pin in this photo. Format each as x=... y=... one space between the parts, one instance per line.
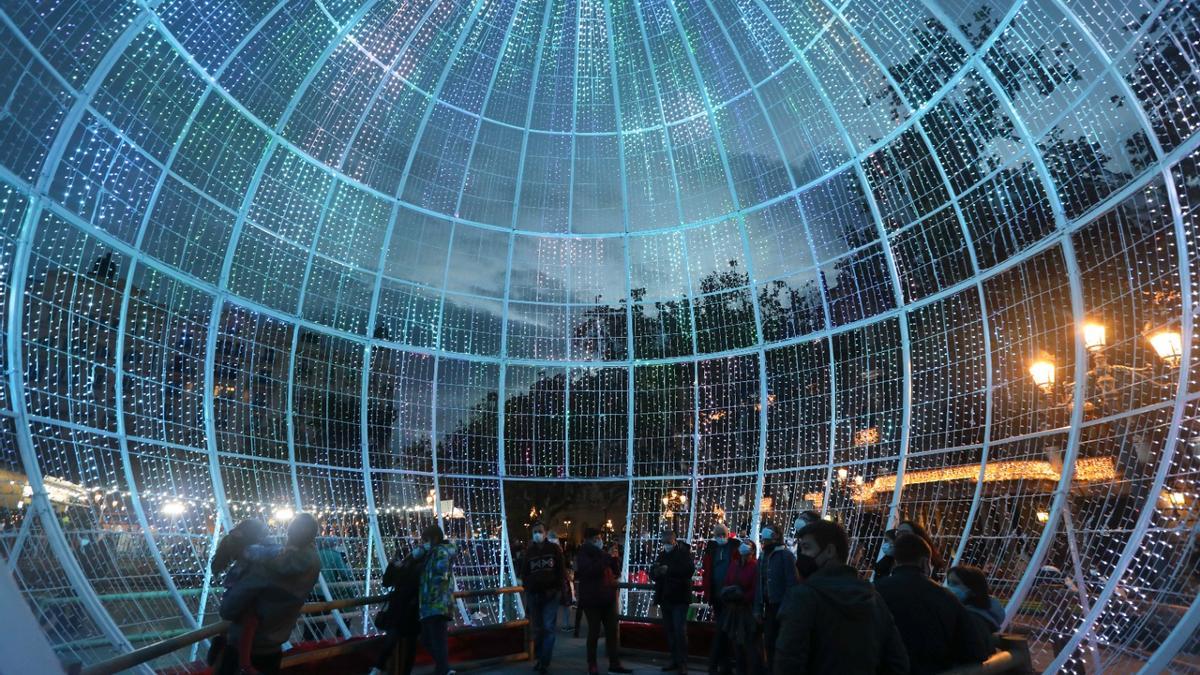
x=834 y=622
x=542 y=572
x=596 y=570
x=401 y=619
x=937 y=631
x=672 y=574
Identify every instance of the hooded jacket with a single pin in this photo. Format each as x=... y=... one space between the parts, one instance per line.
x=937 y=630
x=436 y=580
x=991 y=618
x=674 y=586
x=837 y=623
x=596 y=574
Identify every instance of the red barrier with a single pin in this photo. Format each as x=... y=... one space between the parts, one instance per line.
x=650 y=637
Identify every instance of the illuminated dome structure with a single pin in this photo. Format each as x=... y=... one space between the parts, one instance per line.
x=887 y=259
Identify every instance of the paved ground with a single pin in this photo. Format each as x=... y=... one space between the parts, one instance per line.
x=570 y=658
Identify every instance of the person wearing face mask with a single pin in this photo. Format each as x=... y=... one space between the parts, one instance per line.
x=672 y=574
x=886 y=561
x=596 y=572
x=970 y=586
x=777 y=575
x=937 y=630
x=542 y=573
x=401 y=619
x=835 y=622
x=741 y=623
x=720 y=552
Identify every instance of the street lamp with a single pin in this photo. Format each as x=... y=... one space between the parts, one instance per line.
x=1042 y=372
x=1093 y=336
x=1168 y=344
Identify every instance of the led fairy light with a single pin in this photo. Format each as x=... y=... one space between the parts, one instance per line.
x=1014 y=177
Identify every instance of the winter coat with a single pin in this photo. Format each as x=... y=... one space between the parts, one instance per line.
x=712 y=587
x=777 y=575
x=737 y=622
x=403 y=611
x=674 y=585
x=436 y=580
x=837 y=623
x=937 y=630
x=743 y=575
x=275 y=590
x=883 y=567
x=989 y=619
x=542 y=569
x=596 y=575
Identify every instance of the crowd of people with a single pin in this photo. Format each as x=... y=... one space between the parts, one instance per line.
x=777 y=610
x=774 y=610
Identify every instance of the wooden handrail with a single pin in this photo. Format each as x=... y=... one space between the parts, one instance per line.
x=158 y=649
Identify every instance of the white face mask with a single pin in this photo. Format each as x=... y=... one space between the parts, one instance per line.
x=668 y=547
x=538 y=537
x=553 y=539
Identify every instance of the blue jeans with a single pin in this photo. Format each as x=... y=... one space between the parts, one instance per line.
x=675 y=626
x=543 y=617
x=435 y=639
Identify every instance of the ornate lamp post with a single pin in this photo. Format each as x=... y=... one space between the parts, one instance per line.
x=1101 y=379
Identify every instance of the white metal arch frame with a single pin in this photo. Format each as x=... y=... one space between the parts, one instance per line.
x=469 y=12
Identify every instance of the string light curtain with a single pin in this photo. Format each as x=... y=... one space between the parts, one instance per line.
x=372 y=259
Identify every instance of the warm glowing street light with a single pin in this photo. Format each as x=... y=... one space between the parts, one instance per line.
x=1094 y=336
x=1168 y=344
x=1042 y=372
x=1043 y=517
x=843 y=473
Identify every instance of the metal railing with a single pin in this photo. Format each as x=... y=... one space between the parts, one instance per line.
x=162 y=648
x=1013 y=655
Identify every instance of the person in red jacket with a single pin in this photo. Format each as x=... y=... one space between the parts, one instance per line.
x=719 y=554
x=741 y=626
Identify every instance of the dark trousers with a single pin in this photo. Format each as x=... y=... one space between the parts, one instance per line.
x=675 y=625
x=750 y=656
x=403 y=648
x=606 y=617
x=770 y=630
x=720 y=659
x=267 y=664
x=543 y=619
x=435 y=641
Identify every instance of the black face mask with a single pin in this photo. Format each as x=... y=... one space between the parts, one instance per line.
x=806 y=565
